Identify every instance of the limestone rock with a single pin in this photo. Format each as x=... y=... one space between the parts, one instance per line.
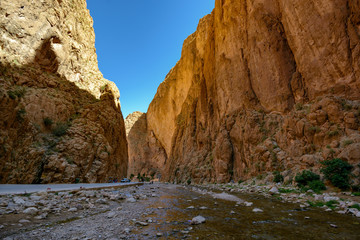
x=261 y=86
x=60 y=119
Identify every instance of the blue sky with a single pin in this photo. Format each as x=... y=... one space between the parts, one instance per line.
x=139 y=41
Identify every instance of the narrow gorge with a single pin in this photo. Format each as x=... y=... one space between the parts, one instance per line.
x=261 y=86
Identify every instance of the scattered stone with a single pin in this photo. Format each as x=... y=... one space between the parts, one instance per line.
x=257 y=210
x=248 y=204
x=197 y=220
x=24 y=221
x=19 y=201
x=307 y=217
x=274 y=190
x=142 y=223
x=111 y=215
x=101 y=201
x=159 y=234
x=203 y=208
x=127 y=230
x=74 y=209
x=191 y=207
x=132 y=200
x=333 y=225
x=232 y=212
x=31 y=210
x=42 y=216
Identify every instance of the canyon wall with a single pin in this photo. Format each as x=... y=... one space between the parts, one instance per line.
x=60 y=119
x=261 y=86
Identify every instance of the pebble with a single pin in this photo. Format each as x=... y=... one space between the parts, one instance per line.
x=274 y=190
x=132 y=200
x=256 y=210
x=248 y=204
x=198 y=220
x=203 y=208
x=191 y=207
x=24 y=221
x=159 y=234
x=127 y=230
x=333 y=225
x=232 y=212
x=142 y=223
x=73 y=209
x=30 y=210
x=111 y=215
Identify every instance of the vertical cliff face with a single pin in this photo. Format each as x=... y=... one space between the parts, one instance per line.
x=60 y=119
x=261 y=86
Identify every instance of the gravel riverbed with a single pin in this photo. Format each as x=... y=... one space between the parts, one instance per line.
x=168 y=211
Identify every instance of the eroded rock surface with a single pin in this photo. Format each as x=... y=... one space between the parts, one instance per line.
x=60 y=119
x=261 y=86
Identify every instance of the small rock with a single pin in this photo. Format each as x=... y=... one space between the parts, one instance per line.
x=232 y=212
x=333 y=225
x=307 y=217
x=248 y=204
x=132 y=200
x=257 y=210
x=111 y=214
x=159 y=234
x=328 y=210
x=42 y=216
x=191 y=207
x=142 y=223
x=101 y=201
x=274 y=190
x=19 y=201
x=358 y=214
x=24 y=221
x=74 y=209
x=127 y=230
x=203 y=208
x=30 y=210
x=197 y=220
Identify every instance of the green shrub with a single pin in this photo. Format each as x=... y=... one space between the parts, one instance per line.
x=47 y=122
x=131 y=176
x=316 y=204
x=60 y=129
x=305 y=178
x=357 y=206
x=278 y=177
x=330 y=204
x=337 y=172
x=317 y=186
x=356 y=194
x=189 y=181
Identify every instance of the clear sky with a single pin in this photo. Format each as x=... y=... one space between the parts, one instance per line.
x=139 y=41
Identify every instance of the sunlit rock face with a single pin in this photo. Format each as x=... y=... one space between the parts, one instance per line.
x=261 y=86
x=146 y=155
x=60 y=119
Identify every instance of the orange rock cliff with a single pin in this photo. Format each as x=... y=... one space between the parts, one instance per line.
x=60 y=119
x=261 y=86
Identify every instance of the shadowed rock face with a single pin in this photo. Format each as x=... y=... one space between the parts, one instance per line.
x=261 y=86
x=60 y=119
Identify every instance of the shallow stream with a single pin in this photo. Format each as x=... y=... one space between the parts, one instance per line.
x=227 y=220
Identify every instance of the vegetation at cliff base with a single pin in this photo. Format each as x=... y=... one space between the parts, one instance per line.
x=337 y=172
x=309 y=180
